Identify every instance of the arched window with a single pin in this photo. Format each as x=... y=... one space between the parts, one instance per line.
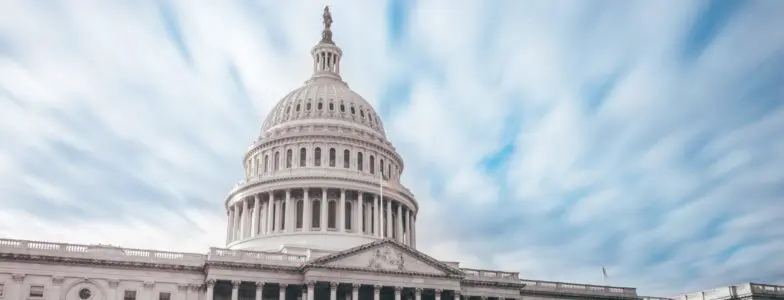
x=276 y=163
x=331 y=106
x=308 y=106
x=300 y=206
x=316 y=214
x=303 y=157
x=274 y=208
x=353 y=111
x=362 y=113
x=317 y=157
x=320 y=105
x=359 y=161
x=372 y=165
x=297 y=107
x=389 y=171
x=289 y=157
x=342 y=108
x=331 y=214
x=266 y=163
x=282 y=215
x=348 y=215
x=381 y=167
x=346 y=159
x=331 y=157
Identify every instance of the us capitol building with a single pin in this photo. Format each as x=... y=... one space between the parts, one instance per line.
x=320 y=215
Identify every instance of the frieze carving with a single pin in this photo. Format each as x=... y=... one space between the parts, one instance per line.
x=101 y=262
x=387 y=258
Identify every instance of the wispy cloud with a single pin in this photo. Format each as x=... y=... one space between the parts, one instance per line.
x=547 y=137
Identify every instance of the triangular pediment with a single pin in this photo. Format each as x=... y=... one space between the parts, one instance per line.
x=385 y=256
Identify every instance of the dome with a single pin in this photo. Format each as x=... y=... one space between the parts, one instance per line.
x=322 y=176
x=323 y=99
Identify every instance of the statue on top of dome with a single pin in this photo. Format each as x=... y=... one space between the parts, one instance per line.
x=326 y=35
x=327 y=18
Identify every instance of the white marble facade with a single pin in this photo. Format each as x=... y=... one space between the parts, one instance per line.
x=321 y=214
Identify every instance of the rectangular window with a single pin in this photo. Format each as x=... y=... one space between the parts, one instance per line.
x=164 y=296
x=129 y=295
x=2 y=290
x=36 y=291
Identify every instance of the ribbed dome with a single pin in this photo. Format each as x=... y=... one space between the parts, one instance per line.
x=323 y=98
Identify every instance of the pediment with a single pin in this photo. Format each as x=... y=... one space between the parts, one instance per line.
x=386 y=256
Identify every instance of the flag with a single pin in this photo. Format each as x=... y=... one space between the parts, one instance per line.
x=604 y=273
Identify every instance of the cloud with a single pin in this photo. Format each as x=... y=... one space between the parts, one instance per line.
x=546 y=137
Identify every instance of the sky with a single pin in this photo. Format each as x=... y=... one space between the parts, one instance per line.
x=552 y=138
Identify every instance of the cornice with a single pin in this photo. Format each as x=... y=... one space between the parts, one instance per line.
x=250 y=266
x=470 y=282
x=381 y=271
x=571 y=295
x=99 y=262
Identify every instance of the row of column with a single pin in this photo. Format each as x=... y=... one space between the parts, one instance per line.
x=294 y=210
x=308 y=291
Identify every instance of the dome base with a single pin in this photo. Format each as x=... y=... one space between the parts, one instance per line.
x=313 y=244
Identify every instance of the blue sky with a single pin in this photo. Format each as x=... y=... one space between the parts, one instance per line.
x=546 y=137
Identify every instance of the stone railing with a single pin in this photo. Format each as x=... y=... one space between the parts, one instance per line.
x=323 y=171
x=490 y=275
x=257 y=257
x=766 y=289
x=654 y=298
x=105 y=252
x=583 y=289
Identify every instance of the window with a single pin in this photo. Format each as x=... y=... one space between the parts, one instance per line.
x=342 y=108
x=316 y=211
x=289 y=157
x=308 y=106
x=164 y=296
x=331 y=157
x=361 y=113
x=331 y=214
x=348 y=215
x=297 y=107
x=276 y=163
x=353 y=112
x=36 y=291
x=266 y=163
x=320 y=105
x=2 y=290
x=317 y=157
x=85 y=294
x=282 y=215
x=372 y=165
x=370 y=117
x=359 y=161
x=331 y=106
x=300 y=206
x=303 y=155
x=381 y=167
x=129 y=295
x=288 y=109
x=346 y=158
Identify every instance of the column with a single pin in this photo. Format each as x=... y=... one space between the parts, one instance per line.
x=147 y=291
x=333 y=291
x=210 y=289
x=323 y=210
x=254 y=227
x=230 y=214
x=270 y=210
x=17 y=291
x=413 y=232
x=304 y=295
x=259 y=289
x=355 y=291
x=235 y=288
x=279 y=216
x=194 y=290
x=457 y=295
x=397 y=292
x=245 y=218
x=57 y=283
x=408 y=227
x=388 y=225
x=377 y=292
x=342 y=211
x=438 y=294
x=418 y=294
x=399 y=221
x=113 y=291
x=376 y=216
x=236 y=218
x=311 y=289
x=289 y=209
x=360 y=222
x=306 y=214
x=282 y=293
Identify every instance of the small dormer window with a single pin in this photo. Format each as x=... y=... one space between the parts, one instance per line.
x=297 y=107
x=342 y=108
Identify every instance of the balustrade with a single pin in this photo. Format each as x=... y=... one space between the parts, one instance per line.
x=550 y=286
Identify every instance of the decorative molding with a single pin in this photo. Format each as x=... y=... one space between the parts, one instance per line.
x=195 y=287
x=418 y=291
x=438 y=292
x=398 y=290
x=99 y=262
x=333 y=286
x=57 y=280
x=210 y=283
x=283 y=286
x=18 y=278
x=259 y=284
x=235 y=284
x=385 y=257
x=182 y=287
x=310 y=284
x=355 y=286
x=377 y=288
x=113 y=283
x=149 y=284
